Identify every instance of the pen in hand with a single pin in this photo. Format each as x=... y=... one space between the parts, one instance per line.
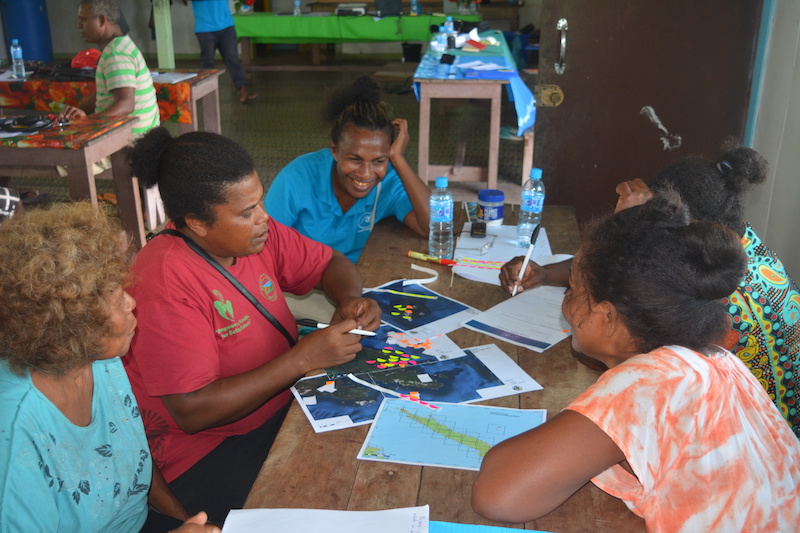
x=534 y=236
x=319 y=325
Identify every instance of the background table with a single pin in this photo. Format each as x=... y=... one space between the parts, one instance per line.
x=435 y=80
x=278 y=29
x=77 y=147
x=177 y=102
x=305 y=469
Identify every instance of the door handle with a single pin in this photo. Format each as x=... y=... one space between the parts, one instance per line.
x=561 y=64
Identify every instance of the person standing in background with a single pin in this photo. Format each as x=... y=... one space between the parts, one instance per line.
x=213 y=25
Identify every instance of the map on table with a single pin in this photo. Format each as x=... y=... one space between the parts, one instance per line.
x=443 y=434
x=393 y=364
x=419 y=310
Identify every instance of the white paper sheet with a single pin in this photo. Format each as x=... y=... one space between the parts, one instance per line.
x=531 y=319
x=403 y=520
x=486 y=268
x=172 y=77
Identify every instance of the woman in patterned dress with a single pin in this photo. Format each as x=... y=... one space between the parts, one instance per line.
x=765 y=308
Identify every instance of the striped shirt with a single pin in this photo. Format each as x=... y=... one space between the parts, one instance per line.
x=122 y=65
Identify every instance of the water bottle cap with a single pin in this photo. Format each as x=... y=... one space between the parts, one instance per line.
x=441 y=28
x=14 y=41
x=491 y=195
x=441 y=182
x=448 y=18
x=536 y=173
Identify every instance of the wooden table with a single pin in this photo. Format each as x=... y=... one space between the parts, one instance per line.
x=77 y=147
x=177 y=102
x=316 y=30
x=309 y=470
x=435 y=81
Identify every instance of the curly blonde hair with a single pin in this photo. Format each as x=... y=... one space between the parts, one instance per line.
x=58 y=268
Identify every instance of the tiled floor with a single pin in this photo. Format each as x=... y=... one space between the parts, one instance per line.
x=284 y=122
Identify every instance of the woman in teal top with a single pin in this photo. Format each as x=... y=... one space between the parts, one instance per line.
x=336 y=195
x=73 y=452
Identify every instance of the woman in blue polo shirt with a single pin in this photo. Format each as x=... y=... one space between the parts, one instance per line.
x=336 y=195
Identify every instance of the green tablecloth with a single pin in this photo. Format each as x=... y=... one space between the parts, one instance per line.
x=271 y=28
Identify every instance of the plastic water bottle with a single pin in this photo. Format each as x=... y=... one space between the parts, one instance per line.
x=440 y=238
x=450 y=33
x=449 y=26
x=16 y=59
x=297 y=11
x=530 y=209
x=439 y=42
x=414 y=8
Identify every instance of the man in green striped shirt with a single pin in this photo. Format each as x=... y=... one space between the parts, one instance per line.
x=124 y=85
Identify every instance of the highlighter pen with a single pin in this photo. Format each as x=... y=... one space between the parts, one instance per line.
x=534 y=236
x=426 y=257
x=319 y=325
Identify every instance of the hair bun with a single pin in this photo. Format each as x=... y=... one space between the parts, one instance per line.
x=363 y=89
x=719 y=265
x=145 y=156
x=748 y=167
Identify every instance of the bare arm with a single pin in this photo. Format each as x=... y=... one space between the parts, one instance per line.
x=526 y=477
x=556 y=274
x=85 y=108
x=230 y=399
x=124 y=103
x=417 y=190
x=162 y=498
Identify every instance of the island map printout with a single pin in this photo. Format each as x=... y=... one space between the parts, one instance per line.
x=443 y=434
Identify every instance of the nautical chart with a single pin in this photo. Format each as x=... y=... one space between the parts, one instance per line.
x=393 y=364
x=443 y=434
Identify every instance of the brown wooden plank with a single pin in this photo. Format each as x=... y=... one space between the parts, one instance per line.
x=307 y=469
x=385 y=486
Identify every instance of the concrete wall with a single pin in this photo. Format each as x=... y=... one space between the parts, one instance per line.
x=63 y=17
x=774 y=207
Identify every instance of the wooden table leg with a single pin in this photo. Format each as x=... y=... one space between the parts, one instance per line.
x=81 y=182
x=424 y=133
x=126 y=187
x=494 y=138
x=211 y=116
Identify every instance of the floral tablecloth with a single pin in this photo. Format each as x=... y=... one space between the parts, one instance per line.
x=174 y=99
x=74 y=136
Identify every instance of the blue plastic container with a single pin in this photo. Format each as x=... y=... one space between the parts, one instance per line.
x=26 y=21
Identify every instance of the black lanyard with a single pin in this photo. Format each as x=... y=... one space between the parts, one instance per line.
x=235 y=282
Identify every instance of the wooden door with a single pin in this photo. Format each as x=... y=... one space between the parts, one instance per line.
x=645 y=82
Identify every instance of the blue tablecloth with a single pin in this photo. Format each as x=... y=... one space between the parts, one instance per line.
x=518 y=92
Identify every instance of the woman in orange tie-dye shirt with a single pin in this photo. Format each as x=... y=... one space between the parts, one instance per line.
x=678 y=428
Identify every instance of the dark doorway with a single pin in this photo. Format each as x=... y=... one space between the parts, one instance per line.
x=645 y=82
